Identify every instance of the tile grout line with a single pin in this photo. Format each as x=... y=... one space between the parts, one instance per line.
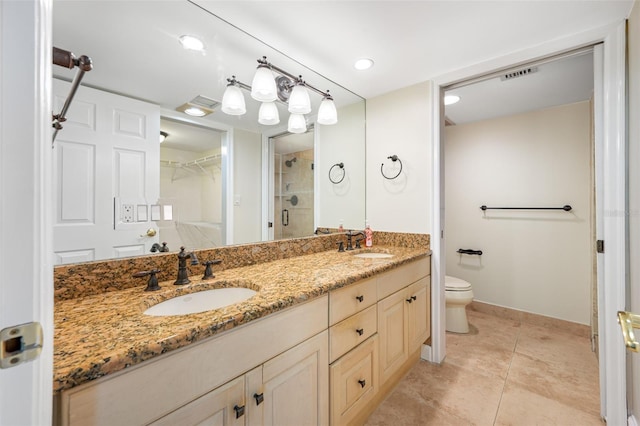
x=504 y=385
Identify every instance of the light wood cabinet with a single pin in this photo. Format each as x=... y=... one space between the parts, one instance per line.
x=354 y=381
x=403 y=325
x=296 y=385
x=419 y=327
x=394 y=333
x=330 y=360
x=224 y=406
x=158 y=387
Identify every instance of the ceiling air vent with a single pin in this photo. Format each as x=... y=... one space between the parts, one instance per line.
x=518 y=73
x=205 y=102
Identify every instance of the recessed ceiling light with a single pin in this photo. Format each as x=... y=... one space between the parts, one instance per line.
x=451 y=99
x=195 y=111
x=363 y=64
x=190 y=42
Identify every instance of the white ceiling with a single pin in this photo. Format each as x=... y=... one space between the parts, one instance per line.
x=410 y=41
x=135 y=51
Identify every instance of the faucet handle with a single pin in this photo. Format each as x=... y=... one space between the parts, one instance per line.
x=208 y=272
x=152 y=284
x=340 y=245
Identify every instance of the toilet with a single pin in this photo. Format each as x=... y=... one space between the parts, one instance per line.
x=458 y=294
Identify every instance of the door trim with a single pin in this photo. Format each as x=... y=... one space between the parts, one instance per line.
x=614 y=186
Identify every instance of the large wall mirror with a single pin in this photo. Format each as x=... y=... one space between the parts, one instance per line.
x=215 y=180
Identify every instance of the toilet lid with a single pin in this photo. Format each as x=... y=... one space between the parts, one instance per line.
x=456 y=284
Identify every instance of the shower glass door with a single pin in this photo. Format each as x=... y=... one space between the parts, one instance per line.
x=293 y=186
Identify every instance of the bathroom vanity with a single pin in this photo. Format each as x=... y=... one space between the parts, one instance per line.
x=324 y=339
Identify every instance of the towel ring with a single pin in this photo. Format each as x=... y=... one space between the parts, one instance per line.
x=341 y=166
x=393 y=158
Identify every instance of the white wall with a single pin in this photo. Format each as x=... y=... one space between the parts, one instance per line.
x=344 y=143
x=633 y=38
x=247 y=186
x=535 y=261
x=399 y=123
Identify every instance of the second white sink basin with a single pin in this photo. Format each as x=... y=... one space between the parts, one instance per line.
x=201 y=301
x=373 y=255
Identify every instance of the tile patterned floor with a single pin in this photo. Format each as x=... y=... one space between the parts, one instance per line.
x=502 y=373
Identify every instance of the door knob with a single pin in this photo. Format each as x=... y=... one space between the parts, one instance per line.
x=150 y=233
x=628 y=322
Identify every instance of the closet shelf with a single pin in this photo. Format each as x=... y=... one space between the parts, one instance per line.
x=193 y=167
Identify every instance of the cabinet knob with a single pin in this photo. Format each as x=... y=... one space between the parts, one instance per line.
x=259 y=398
x=360 y=298
x=362 y=383
x=360 y=331
x=414 y=297
x=410 y=300
x=239 y=411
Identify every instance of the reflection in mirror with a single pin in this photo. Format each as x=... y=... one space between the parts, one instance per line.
x=293 y=199
x=191 y=182
x=119 y=192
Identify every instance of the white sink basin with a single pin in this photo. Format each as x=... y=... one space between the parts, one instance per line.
x=372 y=255
x=200 y=302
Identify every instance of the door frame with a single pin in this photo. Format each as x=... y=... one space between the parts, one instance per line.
x=611 y=143
x=26 y=261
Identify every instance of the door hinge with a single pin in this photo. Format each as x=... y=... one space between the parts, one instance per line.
x=20 y=343
x=600 y=246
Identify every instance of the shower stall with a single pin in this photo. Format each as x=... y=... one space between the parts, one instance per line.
x=293 y=194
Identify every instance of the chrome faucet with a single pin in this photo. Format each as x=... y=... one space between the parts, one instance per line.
x=352 y=234
x=183 y=278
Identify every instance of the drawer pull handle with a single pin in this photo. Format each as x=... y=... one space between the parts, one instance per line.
x=259 y=398
x=360 y=331
x=362 y=382
x=239 y=411
x=360 y=298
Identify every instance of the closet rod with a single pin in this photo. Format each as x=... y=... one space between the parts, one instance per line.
x=566 y=208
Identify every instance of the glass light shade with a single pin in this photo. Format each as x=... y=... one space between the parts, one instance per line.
x=299 y=102
x=233 y=101
x=297 y=123
x=327 y=113
x=263 y=86
x=268 y=114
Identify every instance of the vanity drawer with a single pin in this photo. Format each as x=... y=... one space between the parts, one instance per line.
x=399 y=278
x=354 y=381
x=351 y=299
x=349 y=333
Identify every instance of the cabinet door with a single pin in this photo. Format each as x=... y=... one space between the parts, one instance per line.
x=393 y=332
x=419 y=324
x=296 y=385
x=354 y=381
x=254 y=395
x=222 y=406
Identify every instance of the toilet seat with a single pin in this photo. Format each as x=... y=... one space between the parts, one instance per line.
x=455 y=284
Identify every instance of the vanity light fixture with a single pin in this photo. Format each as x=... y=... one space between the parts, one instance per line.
x=190 y=42
x=163 y=136
x=451 y=99
x=271 y=83
x=233 y=99
x=268 y=114
x=363 y=64
x=297 y=123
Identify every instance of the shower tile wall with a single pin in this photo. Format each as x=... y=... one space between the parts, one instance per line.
x=295 y=180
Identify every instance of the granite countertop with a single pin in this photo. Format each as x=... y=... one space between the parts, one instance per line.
x=102 y=334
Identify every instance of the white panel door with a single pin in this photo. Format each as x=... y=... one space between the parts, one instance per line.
x=106 y=175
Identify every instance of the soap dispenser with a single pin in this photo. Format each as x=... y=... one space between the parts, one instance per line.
x=368 y=235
